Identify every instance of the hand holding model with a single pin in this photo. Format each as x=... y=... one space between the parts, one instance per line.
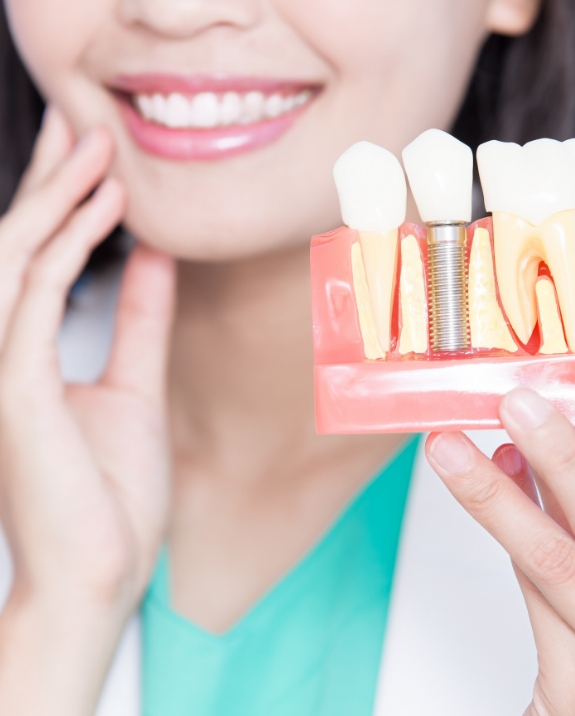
x=84 y=468
x=528 y=505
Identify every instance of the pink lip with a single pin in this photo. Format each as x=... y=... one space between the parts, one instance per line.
x=203 y=144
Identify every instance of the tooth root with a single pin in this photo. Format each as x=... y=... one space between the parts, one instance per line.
x=558 y=239
x=487 y=324
x=380 y=260
x=517 y=266
x=552 y=336
x=414 y=335
x=372 y=347
x=519 y=249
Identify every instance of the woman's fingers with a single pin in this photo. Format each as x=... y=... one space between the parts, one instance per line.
x=547 y=440
x=42 y=211
x=539 y=547
x=510 y=461
x=55 y=142
x=31 y=339
x=554 y=638
x=143 y=322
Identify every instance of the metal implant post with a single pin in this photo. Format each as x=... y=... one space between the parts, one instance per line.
x=447 y=286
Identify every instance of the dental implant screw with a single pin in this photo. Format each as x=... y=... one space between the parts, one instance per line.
x=447 y=286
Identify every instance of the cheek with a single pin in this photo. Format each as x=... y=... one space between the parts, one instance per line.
x=392 y=57
x=53 y=35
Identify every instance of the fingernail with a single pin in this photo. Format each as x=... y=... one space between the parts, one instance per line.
x=508 y=458
x=526 y=408
x=451 y=452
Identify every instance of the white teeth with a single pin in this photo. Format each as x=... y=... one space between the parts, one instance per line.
x=177 y=111
x=289 y=104
x=208 y=109
x=534 y=181
x=274 y=106
x=301 y=98
x=371 y=187
x=253 y=107
x=159 y=111
x=230 y=108
x=146 y=106
x=205 y=110
x=440 y=171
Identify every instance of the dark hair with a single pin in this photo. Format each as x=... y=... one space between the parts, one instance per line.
x=523 y=88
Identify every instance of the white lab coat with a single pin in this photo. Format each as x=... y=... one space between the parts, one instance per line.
x=458 y=641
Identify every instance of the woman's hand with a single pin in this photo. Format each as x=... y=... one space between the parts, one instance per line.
x=502 y=495
x=84 y=469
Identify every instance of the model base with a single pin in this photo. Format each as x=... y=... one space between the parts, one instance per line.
x=422 y=396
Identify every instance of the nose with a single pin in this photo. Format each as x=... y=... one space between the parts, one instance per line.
x=186 y=18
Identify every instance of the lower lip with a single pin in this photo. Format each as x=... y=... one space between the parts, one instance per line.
x=204 y=144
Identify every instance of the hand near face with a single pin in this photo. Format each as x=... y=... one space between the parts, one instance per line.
x=503 y=496
x=83 y=468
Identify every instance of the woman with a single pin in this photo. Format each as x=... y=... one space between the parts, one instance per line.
x=264 y=600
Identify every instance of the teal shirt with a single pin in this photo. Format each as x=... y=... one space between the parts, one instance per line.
x=311 y=646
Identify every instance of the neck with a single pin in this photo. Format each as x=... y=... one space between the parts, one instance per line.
x=248 y=464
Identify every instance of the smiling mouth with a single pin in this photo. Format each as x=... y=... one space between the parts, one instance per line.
x=209 y=117
x=209 y=110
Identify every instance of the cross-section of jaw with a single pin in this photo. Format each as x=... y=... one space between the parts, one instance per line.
x=520 y=248
x=531 y=192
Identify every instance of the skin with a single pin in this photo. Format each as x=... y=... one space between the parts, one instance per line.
x=157 y=447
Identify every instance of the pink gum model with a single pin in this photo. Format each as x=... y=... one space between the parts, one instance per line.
x=411 y=393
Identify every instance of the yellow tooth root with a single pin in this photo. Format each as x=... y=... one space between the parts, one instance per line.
x=552 y=336
x=486 y=321
x=520 y=247
x=414 y=336
x=371 y=345
x=380 y=260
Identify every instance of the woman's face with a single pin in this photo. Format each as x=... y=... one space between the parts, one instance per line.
x=229 y=114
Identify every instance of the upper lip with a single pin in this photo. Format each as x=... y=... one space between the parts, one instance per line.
x=217 y=83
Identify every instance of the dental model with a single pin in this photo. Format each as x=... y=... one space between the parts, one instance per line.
x=428 y=328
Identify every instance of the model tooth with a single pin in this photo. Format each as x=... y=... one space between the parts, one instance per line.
x=371 y=187
x=531 y=192
x=373 y=196
x=534 y=181
x=440 y=172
